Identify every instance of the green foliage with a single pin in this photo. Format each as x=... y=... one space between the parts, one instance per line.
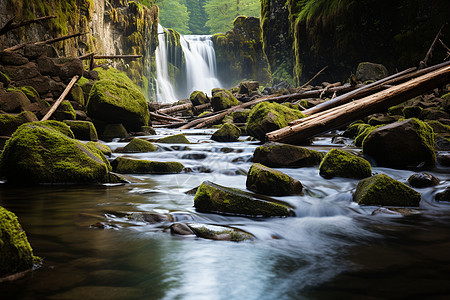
x=221 y=13
x=197 y=16
x=174 y=14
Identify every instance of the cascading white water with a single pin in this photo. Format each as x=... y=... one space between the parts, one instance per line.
x=200 y=59
x=199 y=67
x=164 y=89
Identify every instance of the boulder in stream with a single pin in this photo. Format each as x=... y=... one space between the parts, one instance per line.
x=402 y=145
x=219 y=233
x=37 y=153
x=214 y=198
x=227 y=133
x=83 y=130
x=174 y=139
x=223 y=99
x=99 y=146
x=421 y=180
x=137 y=146
x=16 y=254
x=266 y=117
x=267 y=181
x=141 y=166
x=340 y=163
x=198 y=98
x=284 y=155
x=383 y=190
x=443 y=196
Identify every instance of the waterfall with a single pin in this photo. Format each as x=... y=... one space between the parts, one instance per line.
x=164 y=88
x=198 y=66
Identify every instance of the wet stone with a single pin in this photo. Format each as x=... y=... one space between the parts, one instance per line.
x=421 y=180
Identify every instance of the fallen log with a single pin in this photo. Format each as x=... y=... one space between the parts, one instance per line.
x=175 y=108
x=341 y=115
x=166 y=118
x=11 y=26
x=355 y=94
x=117 y=56
x=61 y=98
x=50 y=41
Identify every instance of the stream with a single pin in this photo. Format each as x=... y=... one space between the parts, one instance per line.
x=332 y=249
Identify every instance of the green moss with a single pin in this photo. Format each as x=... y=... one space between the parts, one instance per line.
x=114 y=131
x=227 y=119
x=365 y=131
x=227 y=133
x=267 y=181
x=83 y=130
x=9 y=123
x=16 y=254
x=65 y=111
x=138 y=145
x=38 y=154
x=383 y=190
x=28 y=91
x=101 y=147
x=339 y=163
x=355 y=129
x=241 y=116
x=223 y=99
x=266 y=117
x=4 y=79
x=438 y=127
x=283 y=155
x=211 y=197
x=174 y=139
x=135 y=166
x=56 y=125
x=198 y=98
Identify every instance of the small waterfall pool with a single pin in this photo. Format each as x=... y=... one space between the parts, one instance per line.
x=333 y=248
x=198 y=67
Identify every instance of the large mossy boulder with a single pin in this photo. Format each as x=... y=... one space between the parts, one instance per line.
x=267 y=181
x=37 y=154
x=385 y=191
x=16 y=254
x=227 y=133
x=340 y=163
x=10 y=122
x=83 y=130
x=370 y=71
x=198 y=98
x=214 y=198
x=402 y=145
x=174 y=139
x=266 y=117
x=283 y=155
x=65 y=111
x=137 y=146
x=116 y=99
x=223 y=99
x=99 y=146
x=141 y=166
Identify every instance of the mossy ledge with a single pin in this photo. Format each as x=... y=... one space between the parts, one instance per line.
x=16 y=254
x=211 y=197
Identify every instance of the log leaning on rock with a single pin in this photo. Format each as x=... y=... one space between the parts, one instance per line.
x=335 y=117
x=61 y=98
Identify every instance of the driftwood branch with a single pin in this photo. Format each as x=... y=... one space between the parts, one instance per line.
x=11 y=26
x=314 y=77
x=336 y=117
x=165 y=118
x=423 y=63
x=61 y=98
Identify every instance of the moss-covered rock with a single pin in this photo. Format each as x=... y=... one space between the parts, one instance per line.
x=198 y=98
x=148 y=130
x=412 y=111
x=283 y=155
x=267 y=181
x=211 y=197
x=383 y=190
x=83 y=130
x=359 y=139
x=369 y=71
x=222 y=100
x=9 y=122
x=227 y=133
x=241 y=115
x=246 y=87
x=38 y=154
x=76 y=94
x=403 y=145
x=65 y=111
x=266 y=117
x=140 y=166
x=137 y=145
x=355 y=129
x=174 y=139
x=112 y=131
x=16 y=254
x=219 y=233
x=56 y=125
x=339 y=163
x=117 y=100
x=101 y=147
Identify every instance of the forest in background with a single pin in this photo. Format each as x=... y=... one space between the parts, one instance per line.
x=204 y=16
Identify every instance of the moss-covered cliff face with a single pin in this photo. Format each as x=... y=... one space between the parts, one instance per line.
x=277 y=39
x=341 y=34
x=240 y=55
x=113 y=27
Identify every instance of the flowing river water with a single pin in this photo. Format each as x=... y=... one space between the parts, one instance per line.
x=332 y=249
